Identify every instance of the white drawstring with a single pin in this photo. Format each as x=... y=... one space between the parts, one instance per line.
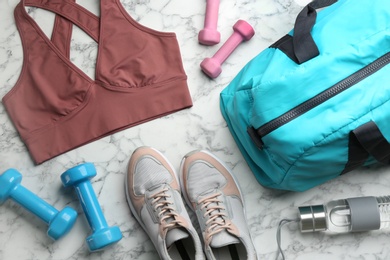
x=279 y=235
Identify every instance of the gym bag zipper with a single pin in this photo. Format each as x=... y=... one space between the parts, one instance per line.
x=257 y=134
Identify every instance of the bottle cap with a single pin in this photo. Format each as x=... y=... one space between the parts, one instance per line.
x=313 y=218
x=365 y=214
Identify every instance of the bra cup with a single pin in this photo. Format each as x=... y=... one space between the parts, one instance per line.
x=47 y=89
x=52 y=95
x=145 y=63
x=154 y=57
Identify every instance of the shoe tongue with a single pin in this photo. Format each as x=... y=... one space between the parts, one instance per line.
x=174 y=235
x=223 y=238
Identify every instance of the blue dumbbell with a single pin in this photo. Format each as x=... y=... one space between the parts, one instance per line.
x=60 y=222
x=102 y=235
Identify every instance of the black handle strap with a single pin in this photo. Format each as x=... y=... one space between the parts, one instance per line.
x=301 y=47
x=303 y=44
x=366 y=140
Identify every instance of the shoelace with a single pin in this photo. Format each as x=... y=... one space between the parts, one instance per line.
x=214 y=210
x=160 y=201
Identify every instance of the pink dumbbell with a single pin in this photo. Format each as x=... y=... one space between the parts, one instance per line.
x=209 y=35
x=243 y=31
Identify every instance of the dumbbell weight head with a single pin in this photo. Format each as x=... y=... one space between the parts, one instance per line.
x=209 y=37
x=211 y=67
x=245 y=29
x=103 y=238
x=8 y=181
x=62 y=223
x=77 y=174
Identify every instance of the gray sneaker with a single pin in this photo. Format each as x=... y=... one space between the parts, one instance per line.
x=210 y=189
x=153 y=194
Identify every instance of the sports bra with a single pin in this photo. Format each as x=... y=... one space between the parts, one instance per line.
x=56 y=107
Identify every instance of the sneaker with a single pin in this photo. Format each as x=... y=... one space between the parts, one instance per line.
x=153 y=194
x=210 y=189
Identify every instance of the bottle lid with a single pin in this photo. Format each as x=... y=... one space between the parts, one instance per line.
x=313 y=218
x=365 y=214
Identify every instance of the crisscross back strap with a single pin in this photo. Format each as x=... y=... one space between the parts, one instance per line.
x=62 y=34
x=72 y=12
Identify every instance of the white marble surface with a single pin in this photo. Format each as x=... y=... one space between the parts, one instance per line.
x=23 y=236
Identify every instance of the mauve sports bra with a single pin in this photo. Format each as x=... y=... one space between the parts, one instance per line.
x=56 y=107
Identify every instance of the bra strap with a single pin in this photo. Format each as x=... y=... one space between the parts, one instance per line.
x=62 y=34
x=69 y=11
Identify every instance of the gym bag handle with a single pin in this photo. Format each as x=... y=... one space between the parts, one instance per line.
x=366 y=140
x=301 y=47
x=303 y=44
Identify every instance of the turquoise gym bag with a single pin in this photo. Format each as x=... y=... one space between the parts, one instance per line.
x=315 y=104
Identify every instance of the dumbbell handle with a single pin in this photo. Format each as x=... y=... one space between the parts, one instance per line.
x=228 y=47
x=92 y=209
x=211 y=18
x=33 y=203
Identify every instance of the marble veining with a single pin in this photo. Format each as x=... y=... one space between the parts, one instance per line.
x=23 y=236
